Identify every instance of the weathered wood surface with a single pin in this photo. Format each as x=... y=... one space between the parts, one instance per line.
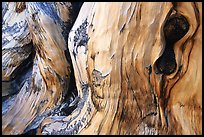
x=16 y=44
x=47 y=24
x=137 y=68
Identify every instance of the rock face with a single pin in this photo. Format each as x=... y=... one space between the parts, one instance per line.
x=137 y=67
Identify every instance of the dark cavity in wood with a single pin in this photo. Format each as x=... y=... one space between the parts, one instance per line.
x=166 y=64
x=174 y=29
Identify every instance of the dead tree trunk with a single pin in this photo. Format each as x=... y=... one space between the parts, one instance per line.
x=46 y=85
x=137 y=68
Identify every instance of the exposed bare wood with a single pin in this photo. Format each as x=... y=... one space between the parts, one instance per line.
x=51 y=70
x=137 y=67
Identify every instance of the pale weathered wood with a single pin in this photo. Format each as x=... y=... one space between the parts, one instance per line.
x=114 y=49
x=16 y=47
x=48 y=25
x=137 y=67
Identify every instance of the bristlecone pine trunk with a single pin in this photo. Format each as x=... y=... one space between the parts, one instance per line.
x=102 y=68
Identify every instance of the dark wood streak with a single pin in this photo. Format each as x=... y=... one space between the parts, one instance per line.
x=20 y=6
x=119 y=102
x=81 y=38
x=131 y=16
x=166 y=87
x=122 y=29
x=35 y=90
x=79 y=124
x=97 y=82
x=142 y=96
x=72 y=129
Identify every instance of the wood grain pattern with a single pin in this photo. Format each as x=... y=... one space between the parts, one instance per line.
x=134 y=74
x=127 y=94
x=15 y=41
x=51 y=70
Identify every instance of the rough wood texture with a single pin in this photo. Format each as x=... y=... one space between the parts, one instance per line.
x=48 y=27
x=16 y=44
x=114 y=49
x=137 y=67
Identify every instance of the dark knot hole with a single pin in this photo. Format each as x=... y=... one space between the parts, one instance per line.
x=175 y=28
